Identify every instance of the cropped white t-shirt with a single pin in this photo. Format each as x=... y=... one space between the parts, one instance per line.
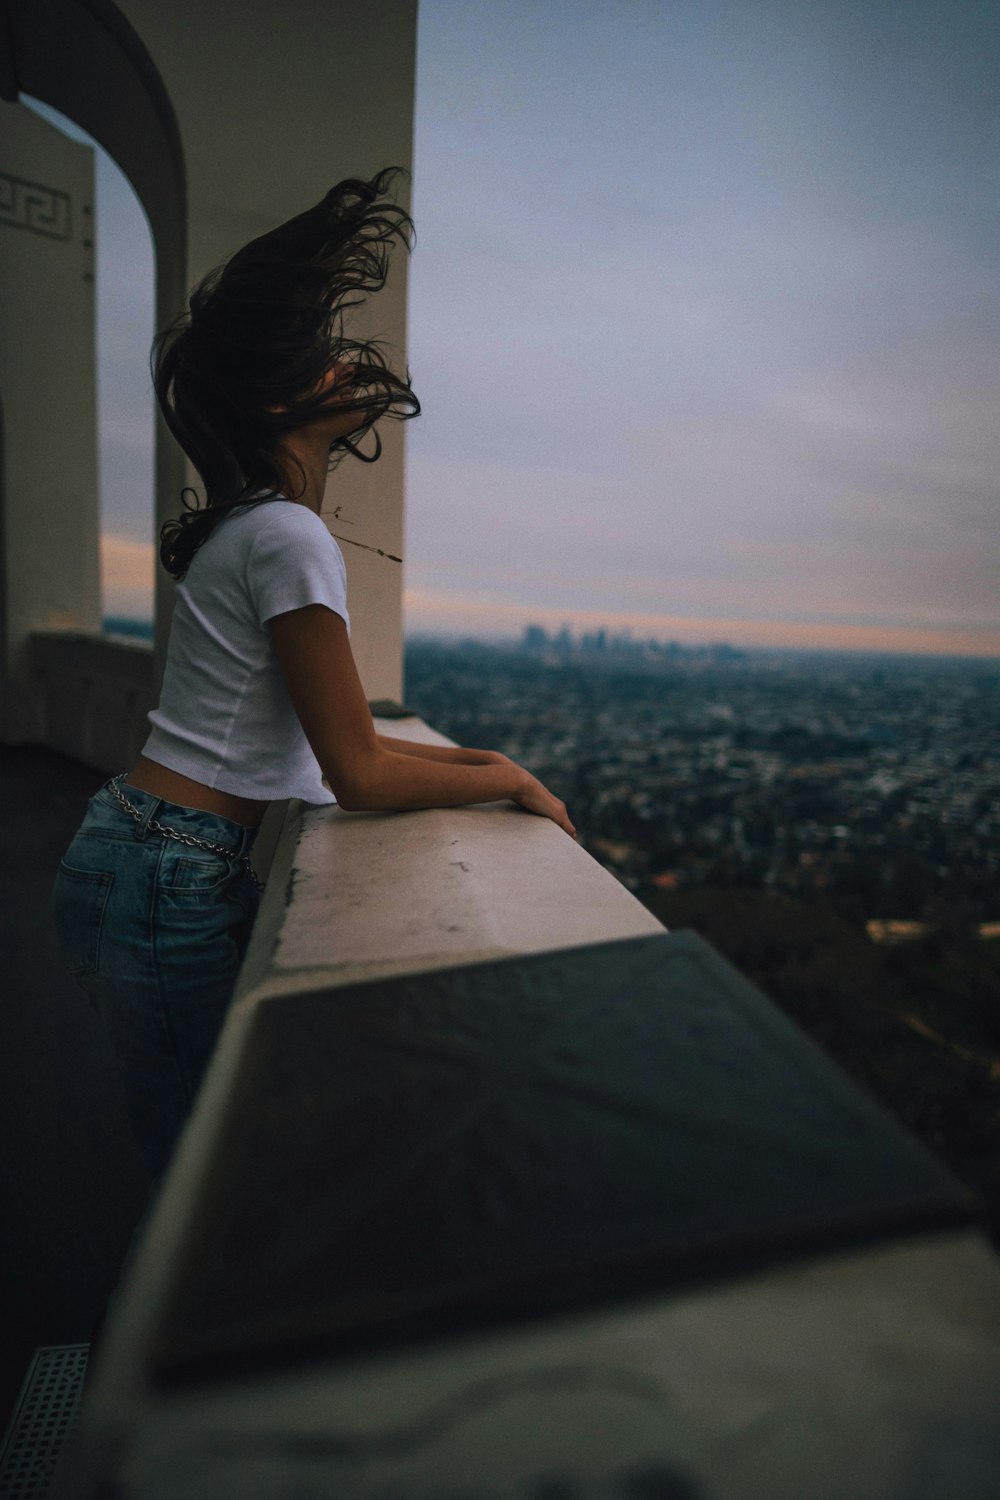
x=225 y=718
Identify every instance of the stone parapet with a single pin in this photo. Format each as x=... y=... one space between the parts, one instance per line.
x=364 y=895
x=495 y=1188
x=93 y=693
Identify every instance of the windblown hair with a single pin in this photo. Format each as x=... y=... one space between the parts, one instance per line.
x=247 y=363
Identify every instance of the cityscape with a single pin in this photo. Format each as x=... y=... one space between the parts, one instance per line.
x=874 y=781
x=831 y=824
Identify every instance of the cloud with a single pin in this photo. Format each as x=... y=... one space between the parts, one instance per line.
x=126 y=563
x=719 y=340
x=127 y=571
x=864 y=493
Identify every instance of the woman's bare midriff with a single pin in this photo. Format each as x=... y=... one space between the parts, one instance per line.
x=160 y=781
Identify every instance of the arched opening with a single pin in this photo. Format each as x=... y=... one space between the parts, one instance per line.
x=125 y=323
x=82 y=59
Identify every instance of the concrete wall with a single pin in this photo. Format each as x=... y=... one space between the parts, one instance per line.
x=48 y=483
x=862 y=1370
x=227 y=118
x=94 y=693
x=83 y=58
x=274 y=104
x=360 y=896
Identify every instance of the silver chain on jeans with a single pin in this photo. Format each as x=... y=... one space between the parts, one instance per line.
x=114 y=786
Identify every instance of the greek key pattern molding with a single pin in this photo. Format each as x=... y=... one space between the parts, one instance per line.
x=34 y=207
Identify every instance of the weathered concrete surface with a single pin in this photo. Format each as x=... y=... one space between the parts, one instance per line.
x=49 y=516
x=365 y=895
x=865 y=1376
x=868 y=1374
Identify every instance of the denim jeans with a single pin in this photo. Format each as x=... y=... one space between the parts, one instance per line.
x=155 y=931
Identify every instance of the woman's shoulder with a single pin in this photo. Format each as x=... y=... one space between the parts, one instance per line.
x=286 y=538
x=268 y=522
x=283 y=522
x=261 y=531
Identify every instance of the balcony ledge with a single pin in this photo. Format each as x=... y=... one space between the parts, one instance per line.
x=355 y=896
x=851 y=1369
x=93 y=693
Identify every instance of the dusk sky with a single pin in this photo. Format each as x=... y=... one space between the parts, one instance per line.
x=704 y=317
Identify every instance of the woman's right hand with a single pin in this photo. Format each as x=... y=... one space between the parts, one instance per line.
x=365 y=771
x=536 y=798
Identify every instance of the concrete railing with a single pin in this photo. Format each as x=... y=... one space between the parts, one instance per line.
x=856 y=1367
x=355 y=896
x=93 y=694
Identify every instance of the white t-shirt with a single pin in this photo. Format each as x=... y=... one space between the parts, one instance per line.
x=225 y=718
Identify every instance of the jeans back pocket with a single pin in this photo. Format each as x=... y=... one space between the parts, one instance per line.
x=78 y=905
x=194 y=871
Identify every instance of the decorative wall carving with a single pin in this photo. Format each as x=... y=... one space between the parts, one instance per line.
x=32 y=206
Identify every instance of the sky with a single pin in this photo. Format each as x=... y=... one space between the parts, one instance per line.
x=704 y=316
x=125 y=328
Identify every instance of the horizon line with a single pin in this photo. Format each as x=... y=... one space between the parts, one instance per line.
x=127 y=570
x=143 y=625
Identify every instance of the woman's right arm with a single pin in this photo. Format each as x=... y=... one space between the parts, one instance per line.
x=317 y=663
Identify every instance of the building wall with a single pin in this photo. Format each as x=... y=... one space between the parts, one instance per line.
x=227 y=118
x=274 y=104
x=50 y=521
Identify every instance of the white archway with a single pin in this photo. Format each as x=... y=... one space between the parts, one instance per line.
x=125 y=325
x=85 y=60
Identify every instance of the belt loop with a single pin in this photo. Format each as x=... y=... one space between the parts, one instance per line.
x=142 y=827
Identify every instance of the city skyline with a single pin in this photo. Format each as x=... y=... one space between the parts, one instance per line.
x=703 y=317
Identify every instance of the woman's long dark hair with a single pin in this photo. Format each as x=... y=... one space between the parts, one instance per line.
x=247 y=363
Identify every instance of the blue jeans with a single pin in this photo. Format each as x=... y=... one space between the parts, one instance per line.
x=154 y=931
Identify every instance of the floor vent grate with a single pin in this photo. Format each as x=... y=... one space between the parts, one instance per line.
x=43 y=1421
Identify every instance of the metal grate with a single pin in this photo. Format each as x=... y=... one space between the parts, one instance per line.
x=43 y=1421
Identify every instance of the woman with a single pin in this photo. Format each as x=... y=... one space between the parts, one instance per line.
x=260 y=383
